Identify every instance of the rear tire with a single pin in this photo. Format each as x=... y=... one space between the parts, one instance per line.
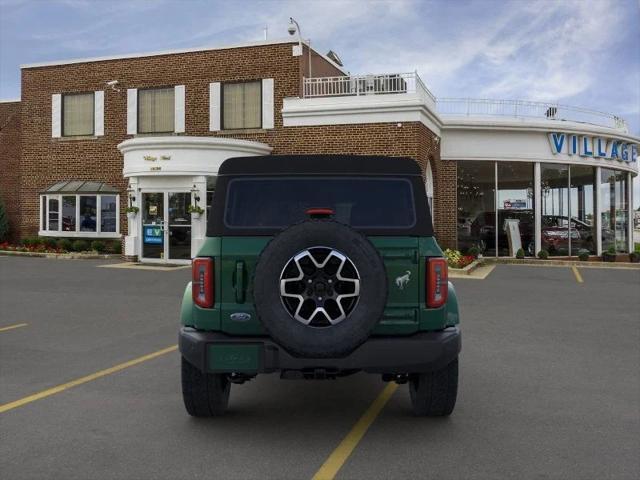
x=434 y=394
x=204 y=394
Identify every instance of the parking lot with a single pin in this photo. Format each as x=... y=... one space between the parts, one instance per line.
x=550 y=386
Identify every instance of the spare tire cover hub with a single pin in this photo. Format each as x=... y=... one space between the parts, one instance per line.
x=319 y=288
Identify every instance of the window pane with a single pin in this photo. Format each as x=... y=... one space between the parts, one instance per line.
x=156 y=109
x=43 y=218
x=87 y=214
x=69 y=213
x=516 y=222
x=53 y=214
x=359 y=202
x=242 y=105
x=476 y=206
x=555 y=208
x=77 y=114
x=108 y=219
x=615 y=214
x=582 y=201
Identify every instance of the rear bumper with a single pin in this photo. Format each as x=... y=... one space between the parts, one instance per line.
x=421 y=352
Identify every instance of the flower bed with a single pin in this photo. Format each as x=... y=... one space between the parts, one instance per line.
x=39 y=248
x=63 y=245
x=455 y=259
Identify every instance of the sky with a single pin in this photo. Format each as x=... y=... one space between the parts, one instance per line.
x=576 y=52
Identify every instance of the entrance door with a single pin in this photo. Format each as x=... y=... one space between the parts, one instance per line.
x=179 y=226
x=153 y=226
x=166 y=226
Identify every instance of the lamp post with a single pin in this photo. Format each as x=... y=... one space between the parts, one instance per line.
x=294 y=28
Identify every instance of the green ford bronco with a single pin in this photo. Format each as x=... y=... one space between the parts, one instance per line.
x=319 y=267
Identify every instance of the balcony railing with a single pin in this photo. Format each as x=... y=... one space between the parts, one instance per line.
x=473 y=107
x=403 y=83
x=356 y=85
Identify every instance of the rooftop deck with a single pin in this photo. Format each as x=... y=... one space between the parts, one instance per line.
x=410 y=83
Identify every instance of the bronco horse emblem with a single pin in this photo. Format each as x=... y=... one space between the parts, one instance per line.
x=402 y=280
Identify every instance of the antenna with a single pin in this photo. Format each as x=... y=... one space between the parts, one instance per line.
x=266 y=32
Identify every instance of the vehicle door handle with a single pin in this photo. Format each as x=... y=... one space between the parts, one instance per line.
x=240 y=282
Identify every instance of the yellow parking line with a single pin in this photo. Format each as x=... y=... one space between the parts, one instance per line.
x=576 y=273
x=74 y=383
x=334 y=463
x=11 y=327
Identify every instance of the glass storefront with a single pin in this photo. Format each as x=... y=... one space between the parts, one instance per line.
x=615 y=210
x=582 y=202
x=476 y=206
x=554 y=224
x=497 y=208
x=516 y=219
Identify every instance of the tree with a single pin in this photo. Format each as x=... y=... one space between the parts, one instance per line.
x=4 y=222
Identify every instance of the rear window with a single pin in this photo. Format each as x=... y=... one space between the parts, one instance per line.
x=361 y=202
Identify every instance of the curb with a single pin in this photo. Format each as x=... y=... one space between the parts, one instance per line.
x=564 y=263
x=62 y=256
x=468 y=269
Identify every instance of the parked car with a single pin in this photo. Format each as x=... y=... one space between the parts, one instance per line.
x=556 y=232
x=313 y=272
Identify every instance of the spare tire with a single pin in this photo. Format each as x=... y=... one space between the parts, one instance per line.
x=320 y=287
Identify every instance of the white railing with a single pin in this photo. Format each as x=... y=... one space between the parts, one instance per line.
x=375 y=84
x=525 y=109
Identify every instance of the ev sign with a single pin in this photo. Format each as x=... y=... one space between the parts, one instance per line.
x=596 y=147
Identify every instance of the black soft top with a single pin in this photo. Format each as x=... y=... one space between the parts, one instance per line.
x=319 y=165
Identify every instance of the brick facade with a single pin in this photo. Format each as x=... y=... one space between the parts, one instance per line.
x=46 y=160
x=10 y=162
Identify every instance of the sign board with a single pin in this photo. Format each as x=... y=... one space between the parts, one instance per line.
x=512 y=226
x=153 y=235
x=596 y=147
x=515 y=204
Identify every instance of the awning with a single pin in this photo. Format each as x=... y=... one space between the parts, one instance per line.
x=80 y=186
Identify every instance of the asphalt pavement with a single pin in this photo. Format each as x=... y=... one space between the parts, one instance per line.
x=549 y=387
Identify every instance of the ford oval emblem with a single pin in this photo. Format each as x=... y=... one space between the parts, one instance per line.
x=240 y=317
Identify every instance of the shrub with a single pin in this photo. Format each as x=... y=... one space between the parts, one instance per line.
x=48 y=242
x=474 y=252
x=98 y=245
x=65 y=244
x=611 y=250
x=543 y=254
x=520 y=253
x=31 y=241
x=453 y=257
x=583 y=255
x=115 y=247
x=4 y=223
x=80 y=246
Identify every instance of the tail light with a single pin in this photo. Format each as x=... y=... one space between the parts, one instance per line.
x=202 y=282
x=437 y=282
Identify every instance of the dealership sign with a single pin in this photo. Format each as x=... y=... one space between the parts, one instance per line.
x=596 y=147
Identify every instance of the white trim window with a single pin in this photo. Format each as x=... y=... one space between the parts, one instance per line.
x=65 y=213
x=78 y=114
x=157 y=110
x=242 y=105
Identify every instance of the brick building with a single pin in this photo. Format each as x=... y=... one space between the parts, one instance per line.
x=90 y=138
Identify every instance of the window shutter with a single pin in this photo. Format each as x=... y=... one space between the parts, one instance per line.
x=179 y=108
x=98 y=112
x=267 y=103
x=132 y=111
x=214 y=106
x=56 y=115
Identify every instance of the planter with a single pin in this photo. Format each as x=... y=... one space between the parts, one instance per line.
x=609 y=257
x=634 y=257
x=195 y=215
